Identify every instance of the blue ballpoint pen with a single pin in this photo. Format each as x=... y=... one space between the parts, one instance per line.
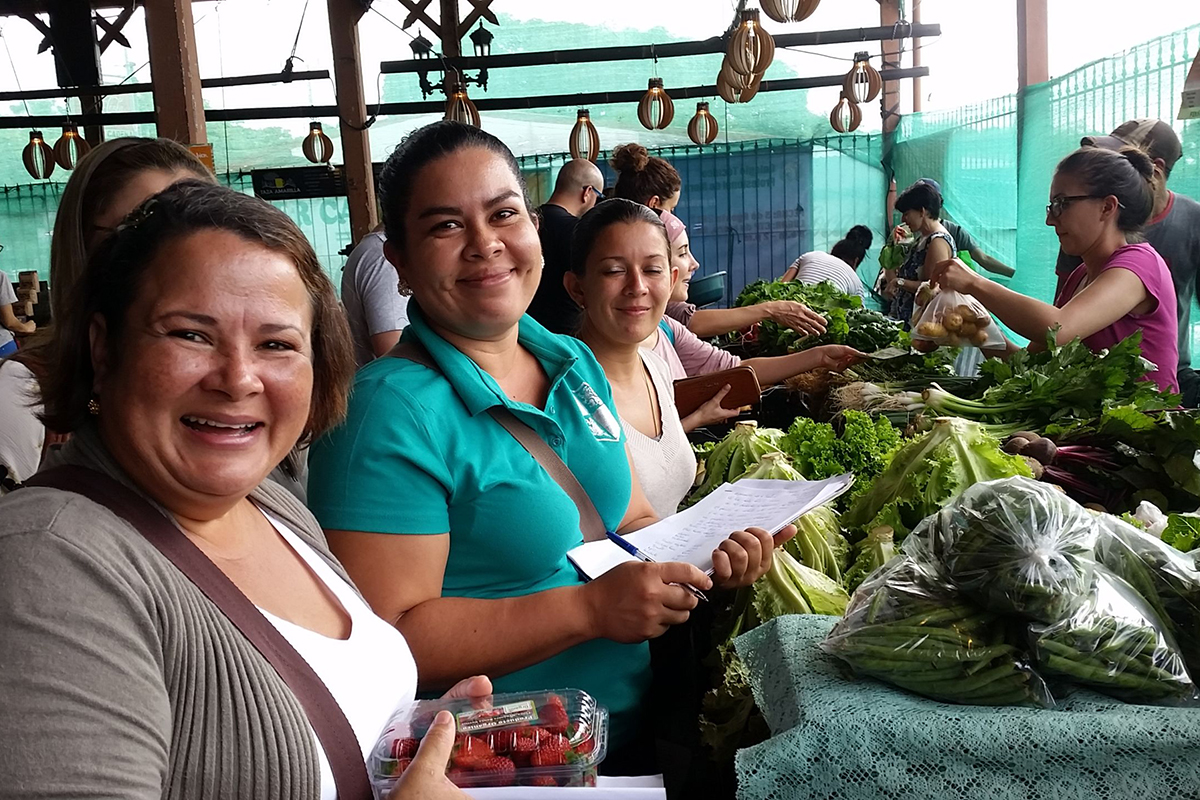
x=629 y=547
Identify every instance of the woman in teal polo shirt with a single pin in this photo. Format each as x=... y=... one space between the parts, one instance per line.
x=447 y=525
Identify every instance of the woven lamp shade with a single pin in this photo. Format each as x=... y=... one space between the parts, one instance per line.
x=459 y=107
x=751 y=48
x=863 y=83
x=70 y=147
x=585 y=142
x=846 y=115
x=789 y=10
x=655 y=109
x=732 y=93
x=318 y=148
x=703 y=127
x=38 y=157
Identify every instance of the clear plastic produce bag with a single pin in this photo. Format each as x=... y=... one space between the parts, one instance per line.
x=908 y=627
x=1015 y=546
x=953 y=319
x=1166 y=579
x=1115 y=643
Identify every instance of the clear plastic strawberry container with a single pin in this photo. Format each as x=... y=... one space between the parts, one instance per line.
x=554 y=738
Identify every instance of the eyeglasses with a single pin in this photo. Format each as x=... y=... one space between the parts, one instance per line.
x=1059 y=204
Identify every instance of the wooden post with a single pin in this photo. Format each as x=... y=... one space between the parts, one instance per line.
x=178 y=105
x=918 y=101
x=448 y=25
x=77 y=58
x=889 y=102
x=1033 y=47
x=352 y=109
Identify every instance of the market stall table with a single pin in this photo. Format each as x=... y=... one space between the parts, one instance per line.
x=838 y=736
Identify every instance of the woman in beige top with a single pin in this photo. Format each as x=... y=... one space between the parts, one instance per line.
x=621 y=276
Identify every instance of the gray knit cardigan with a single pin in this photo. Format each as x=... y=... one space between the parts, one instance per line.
x=118 y=678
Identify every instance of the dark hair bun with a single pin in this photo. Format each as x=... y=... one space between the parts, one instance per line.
x=1140 y=160
x=860 y=235
x=629 y=157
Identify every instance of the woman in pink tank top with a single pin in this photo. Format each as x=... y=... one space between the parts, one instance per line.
x=1099 y=201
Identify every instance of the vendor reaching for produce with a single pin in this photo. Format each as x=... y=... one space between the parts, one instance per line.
x=1099 y=201
x=706 y=322
x=920 y=205
x=448 y=526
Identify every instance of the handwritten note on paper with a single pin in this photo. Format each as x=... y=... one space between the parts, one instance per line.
x=691 y=535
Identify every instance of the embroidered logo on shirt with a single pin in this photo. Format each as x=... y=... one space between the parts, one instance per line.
x=599 y=418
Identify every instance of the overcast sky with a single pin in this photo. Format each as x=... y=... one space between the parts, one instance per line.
x=974 y=59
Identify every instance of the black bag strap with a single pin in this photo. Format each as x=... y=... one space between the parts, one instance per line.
x=590 y=524
x=328 y=721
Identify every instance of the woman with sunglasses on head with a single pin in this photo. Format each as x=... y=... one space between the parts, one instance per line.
x=1099 y=201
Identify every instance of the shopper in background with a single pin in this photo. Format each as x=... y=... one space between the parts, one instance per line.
x=920 y=207
x=644 y=178
x=202 y=342
x=1099 y=201
x=576 y=191
x=966 y=242
x=375 y=309
x=1173 y=230
x=10 y=326
x=447 y=525
x=839 y=266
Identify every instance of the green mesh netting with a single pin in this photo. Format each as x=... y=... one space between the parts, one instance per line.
x=843 y=738
x=995 y=160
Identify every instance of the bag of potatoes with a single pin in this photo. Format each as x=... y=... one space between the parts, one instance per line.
x=953 y=319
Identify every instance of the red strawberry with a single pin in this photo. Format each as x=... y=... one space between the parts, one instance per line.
x=553 y=715
x=586 y=746
x=548 y=757
x=401 y=765
x=459 y=777
x=470 y=751
x=502 y=741
x=405 y=748
x=543 y=780
x=496 y=771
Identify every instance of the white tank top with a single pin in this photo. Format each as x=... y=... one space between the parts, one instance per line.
x=369 y=674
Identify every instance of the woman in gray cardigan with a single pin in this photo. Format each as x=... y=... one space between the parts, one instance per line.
x=202 y=343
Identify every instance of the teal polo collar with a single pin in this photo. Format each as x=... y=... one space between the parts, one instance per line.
x=477 y=389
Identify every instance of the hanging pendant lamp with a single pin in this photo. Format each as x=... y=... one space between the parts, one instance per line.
x=789 y=10
x=318 y=147
x=655 y=109
x=732 y=93
x=846 y=115
x=70 y=147
x=38 y=157
x=862 y=83
x=585 y=141
x=703 y=127
x=751 y=48
x=459 y=107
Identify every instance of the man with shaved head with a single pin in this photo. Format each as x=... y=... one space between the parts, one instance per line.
x=576 y=191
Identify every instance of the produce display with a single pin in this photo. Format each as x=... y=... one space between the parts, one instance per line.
x=1114 y=643
x=954 y=319
x=1012 y=581
x=819 y=543
x=847 y=322
x=517 y=739
x=927 y=473
x=736 y=454
x=906 y=626
x=1016 y=546
x=863 y=448
x=871 y=554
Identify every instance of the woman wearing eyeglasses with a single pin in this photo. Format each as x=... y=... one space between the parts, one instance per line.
x=1099 y=201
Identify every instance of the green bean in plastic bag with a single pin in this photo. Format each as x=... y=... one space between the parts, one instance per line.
x=907 y=626
x=1167 y=579
x=1115 y=643
x=1015 y=546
